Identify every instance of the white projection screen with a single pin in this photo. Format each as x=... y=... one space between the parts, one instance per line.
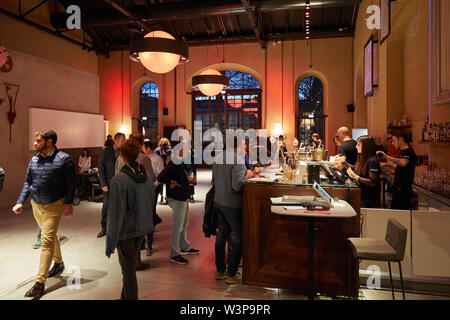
x=74 y=129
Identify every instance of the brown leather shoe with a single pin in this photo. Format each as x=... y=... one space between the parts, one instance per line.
x=56 y=270
x=36 y=291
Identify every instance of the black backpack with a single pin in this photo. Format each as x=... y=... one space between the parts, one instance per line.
x=2 y=178
x=210 y=220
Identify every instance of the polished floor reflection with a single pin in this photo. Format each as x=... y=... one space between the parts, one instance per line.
x=84 y=254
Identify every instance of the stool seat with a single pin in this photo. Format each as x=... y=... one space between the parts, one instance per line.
x=391 y=248
x=372 y=249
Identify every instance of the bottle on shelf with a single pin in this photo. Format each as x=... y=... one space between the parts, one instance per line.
x=442 y=133
x=425 y=132
x=447 y=139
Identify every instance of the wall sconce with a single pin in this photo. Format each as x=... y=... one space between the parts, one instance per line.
x=277 y=130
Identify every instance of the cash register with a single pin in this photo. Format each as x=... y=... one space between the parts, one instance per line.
x=324 y=170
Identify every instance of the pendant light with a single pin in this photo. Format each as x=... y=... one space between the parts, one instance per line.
x=210 y=82
x=159 y=51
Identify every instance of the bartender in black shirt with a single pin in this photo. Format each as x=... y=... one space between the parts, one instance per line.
x=347 y=151
x=366 y=171
x=405 y=167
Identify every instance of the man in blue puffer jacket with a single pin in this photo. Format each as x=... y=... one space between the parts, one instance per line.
x=51 y=182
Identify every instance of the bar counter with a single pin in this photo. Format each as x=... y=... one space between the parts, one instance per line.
x=275 y=247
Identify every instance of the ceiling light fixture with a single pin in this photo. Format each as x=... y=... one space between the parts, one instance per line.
x=210 y=82
x=307 y=20
x=159 y=51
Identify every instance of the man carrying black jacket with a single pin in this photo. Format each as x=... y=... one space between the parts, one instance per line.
x=106 y=169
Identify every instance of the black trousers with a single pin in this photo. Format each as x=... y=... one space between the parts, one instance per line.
x=104 y=209
x=128 y=250
x=401 y=199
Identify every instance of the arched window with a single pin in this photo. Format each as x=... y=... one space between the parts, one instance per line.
x=310 y=115
x=242 y=100
x=149 y=111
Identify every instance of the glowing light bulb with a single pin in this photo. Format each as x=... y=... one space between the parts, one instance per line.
x=210 y=89
x=159 y=62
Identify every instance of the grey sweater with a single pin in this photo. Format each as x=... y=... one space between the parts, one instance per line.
x=130 y=210
x=228 y=181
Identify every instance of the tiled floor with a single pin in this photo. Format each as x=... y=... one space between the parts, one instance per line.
x=101 y=277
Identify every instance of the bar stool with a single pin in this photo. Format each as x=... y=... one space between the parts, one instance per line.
x=390 y=249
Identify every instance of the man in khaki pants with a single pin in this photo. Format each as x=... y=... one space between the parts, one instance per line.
x=51 y=182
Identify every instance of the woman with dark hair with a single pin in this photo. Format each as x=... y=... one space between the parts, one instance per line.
x=405 y=167
x=366 y=171
x=84 y=161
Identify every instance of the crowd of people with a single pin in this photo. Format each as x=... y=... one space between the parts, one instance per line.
x=132 y=173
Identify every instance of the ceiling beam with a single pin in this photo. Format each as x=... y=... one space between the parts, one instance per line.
x=338 y=18
x=321 y=18
x=34 y=8
x=250 y=37
x=255 y=22
x=269 y=18
x=236 y=18
x=207 y=27
x=185 y=10
x=355 y=15
x=191 y=27
x=222 y=25
x=129 y=14
x=52 y=32
x=287 y=21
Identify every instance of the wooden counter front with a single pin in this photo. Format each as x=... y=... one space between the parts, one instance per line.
x=275 y=247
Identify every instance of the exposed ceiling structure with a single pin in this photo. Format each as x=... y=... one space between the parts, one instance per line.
x=110 y=24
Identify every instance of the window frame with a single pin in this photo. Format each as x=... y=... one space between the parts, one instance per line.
x=149 y=118
x=225 y=111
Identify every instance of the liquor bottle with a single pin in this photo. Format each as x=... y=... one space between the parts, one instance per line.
x=425 y=133
x=448 y=132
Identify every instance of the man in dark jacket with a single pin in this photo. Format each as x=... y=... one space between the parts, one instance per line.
x=51 y=182
x=106 y=169
x=130 y=215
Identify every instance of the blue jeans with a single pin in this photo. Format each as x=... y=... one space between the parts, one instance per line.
x=179 y=227
x=230 y=229
x=104 y=209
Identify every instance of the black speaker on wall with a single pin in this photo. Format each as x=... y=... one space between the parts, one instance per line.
x=165 y=111
x=351 y=108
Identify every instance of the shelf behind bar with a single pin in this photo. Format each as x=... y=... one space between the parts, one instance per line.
x=435 y=143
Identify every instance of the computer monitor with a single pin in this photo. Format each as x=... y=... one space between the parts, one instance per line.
x=358 y=132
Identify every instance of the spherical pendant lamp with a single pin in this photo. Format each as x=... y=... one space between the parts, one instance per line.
x=159 y=52
x=210 y=82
